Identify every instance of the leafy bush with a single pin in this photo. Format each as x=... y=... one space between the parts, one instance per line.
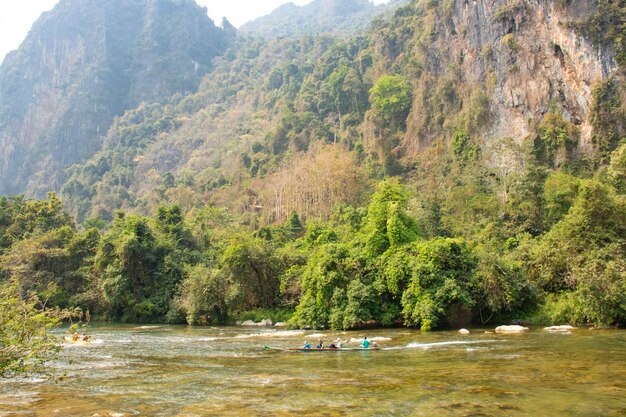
x=25 y=343
x=391 y=97
x=441 y=272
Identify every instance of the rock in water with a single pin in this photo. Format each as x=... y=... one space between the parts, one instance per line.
x=248 y=323
x=562 y=328
x=511 y=329
x=464 y=331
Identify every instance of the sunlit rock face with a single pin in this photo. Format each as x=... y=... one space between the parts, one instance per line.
x=523 y=55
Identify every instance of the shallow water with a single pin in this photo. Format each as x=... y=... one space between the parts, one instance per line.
x=224 y=371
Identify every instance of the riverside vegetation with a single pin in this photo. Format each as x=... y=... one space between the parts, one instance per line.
x=342 y=183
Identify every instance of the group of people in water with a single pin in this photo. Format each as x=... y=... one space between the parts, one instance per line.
x=338 y=344
x=77 y=338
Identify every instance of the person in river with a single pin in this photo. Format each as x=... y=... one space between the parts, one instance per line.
x=320 y=345
x=339 y=343
x=307 y=345
x=85 y=337
x=365 y=343
x=75 y=337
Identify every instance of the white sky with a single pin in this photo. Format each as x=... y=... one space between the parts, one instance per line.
x=17 y=16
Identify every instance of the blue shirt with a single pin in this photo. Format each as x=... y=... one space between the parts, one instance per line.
x=365 y=344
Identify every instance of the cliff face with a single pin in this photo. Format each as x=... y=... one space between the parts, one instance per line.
x=536 y=60
x=82 y=64
x=520 y=54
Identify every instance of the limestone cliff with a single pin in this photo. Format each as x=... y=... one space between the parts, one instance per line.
x=84 y=63
x=521 y=55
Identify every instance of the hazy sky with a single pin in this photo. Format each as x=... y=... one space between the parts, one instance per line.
x=17 y=16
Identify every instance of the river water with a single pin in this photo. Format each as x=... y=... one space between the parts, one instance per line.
x=224 y=371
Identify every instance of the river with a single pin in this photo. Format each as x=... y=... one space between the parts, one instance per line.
x=224 y=371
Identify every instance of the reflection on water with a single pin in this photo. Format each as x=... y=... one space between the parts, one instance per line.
x=224 y=371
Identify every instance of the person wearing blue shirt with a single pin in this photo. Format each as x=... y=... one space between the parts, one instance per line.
x=366 y=343
x=307 y=345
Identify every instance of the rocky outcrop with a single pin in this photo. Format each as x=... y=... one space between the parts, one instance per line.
x=561 y=328
x=84 y=63
x=522 y=55
x=262 y=323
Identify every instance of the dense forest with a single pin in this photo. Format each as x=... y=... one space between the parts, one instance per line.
x=346 y=182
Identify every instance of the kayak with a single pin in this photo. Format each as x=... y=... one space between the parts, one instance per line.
x=279 y=349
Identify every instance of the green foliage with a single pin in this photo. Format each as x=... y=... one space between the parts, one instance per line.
x=559 y=193
x=583 y=255
x=616 y=172
x=601 y=286
x=329 y=270
x=386 y=224
x=462 y=147
x=556 y=139
x=55 y=266
x=251 y=265
x=391 y=98
x=353 y=307
x=441 y=272
x=510 y=41
x=293 y=225
x=500 y=288
x=608 y=116
x=561 y=307
x=20 y=218
x=25 y=343
x=525 y=205
x=205 y=296
x=42 y=252
x=138 y=275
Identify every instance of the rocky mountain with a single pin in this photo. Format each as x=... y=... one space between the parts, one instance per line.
x=84 y=63
x=482 y=79
x=319 y=17
x=498 y=83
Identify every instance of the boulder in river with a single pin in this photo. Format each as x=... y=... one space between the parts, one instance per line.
x=464 y=331
x=562 y=328
x=280 y=324
x=265 y=322
x=511 y=329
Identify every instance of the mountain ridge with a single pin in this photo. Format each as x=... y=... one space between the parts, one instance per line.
x=336 y=17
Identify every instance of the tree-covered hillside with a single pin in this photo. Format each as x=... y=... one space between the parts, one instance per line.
x=337 y=17
x=460 y=161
